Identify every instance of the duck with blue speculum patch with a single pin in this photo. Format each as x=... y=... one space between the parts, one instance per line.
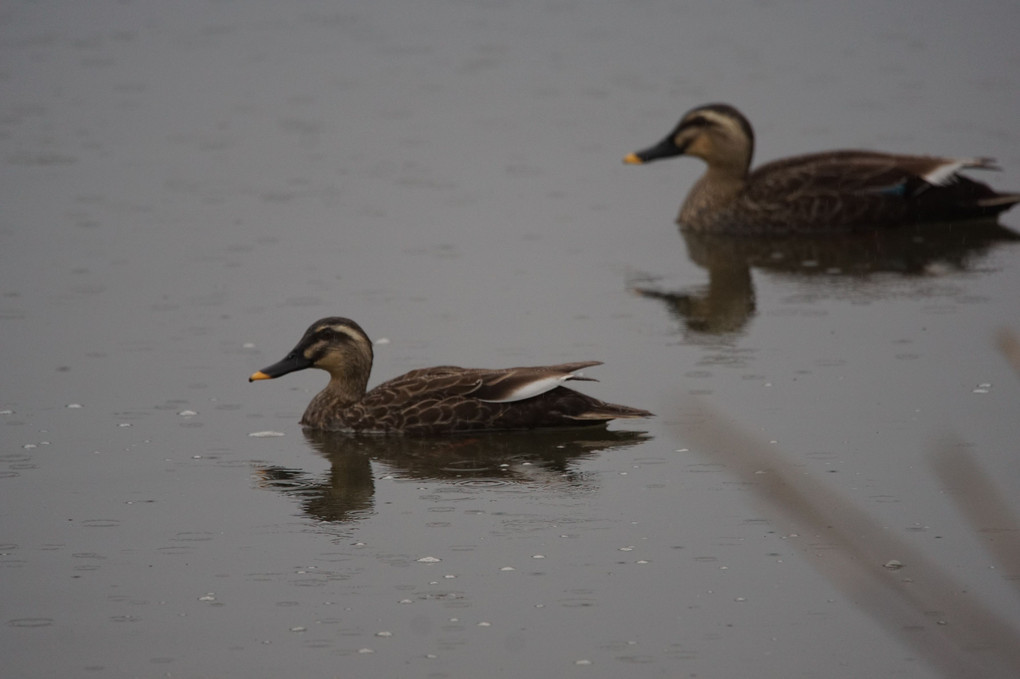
x=435 y=401
x=835 y=191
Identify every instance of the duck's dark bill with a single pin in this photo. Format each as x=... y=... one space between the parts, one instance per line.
x=667 y=148
x=287 y=365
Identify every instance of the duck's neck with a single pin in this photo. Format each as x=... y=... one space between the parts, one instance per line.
x=341 y=392
x=719 y=186
x=728 y=177
x=344 y=388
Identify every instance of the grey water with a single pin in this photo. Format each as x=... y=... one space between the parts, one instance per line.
x=187 y=186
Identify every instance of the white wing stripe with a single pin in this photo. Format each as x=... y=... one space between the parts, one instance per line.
x=531 y=389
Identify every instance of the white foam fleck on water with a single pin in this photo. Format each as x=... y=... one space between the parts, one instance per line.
x=264 y=434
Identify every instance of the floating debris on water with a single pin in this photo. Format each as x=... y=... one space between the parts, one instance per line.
x=892 y=565
x=30 y=622
x=264 y=434
x=429 y=559
x=983 y=388
x=187 y=413
x=74 y=405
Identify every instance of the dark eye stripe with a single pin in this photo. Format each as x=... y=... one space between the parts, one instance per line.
x=332 y=334
x=697 y=121
x=316 y=350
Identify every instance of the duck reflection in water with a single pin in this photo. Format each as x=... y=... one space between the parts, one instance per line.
x=345 y=493
x=725 y=306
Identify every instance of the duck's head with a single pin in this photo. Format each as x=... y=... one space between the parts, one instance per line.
x=717 y=133
x=337 y=345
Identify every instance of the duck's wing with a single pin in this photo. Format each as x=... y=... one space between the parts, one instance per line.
x=518 y=384
x=861 y=172
x=448 y=399
x=864 y=188
x=494 y=386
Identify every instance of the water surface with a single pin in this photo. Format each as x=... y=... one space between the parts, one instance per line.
x=186 y=186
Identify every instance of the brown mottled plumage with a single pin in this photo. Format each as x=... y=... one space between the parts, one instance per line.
x=440 y=400
x=816 y=193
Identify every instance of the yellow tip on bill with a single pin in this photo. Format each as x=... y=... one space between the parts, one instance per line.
x=259 y=376
x=632 y=159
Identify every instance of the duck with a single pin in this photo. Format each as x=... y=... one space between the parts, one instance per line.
x=834 y=191
x=438 y=400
